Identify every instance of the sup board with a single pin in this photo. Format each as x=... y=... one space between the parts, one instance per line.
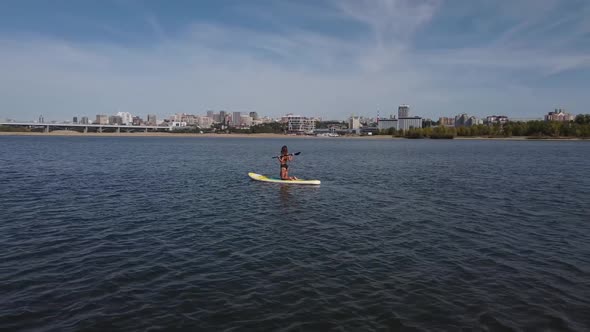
x=264 y=178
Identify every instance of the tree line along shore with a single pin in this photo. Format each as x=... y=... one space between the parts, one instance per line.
x=579 y=128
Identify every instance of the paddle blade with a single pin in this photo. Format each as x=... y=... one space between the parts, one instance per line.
x=291 y=154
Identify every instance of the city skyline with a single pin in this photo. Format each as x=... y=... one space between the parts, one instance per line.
x=215 y=116
x=403 y=119
x=328 y=59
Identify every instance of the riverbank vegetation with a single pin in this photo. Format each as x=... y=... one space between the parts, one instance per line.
x=579 y=128
x=14 y=129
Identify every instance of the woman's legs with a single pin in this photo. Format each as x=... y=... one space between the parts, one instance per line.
x=285 y=174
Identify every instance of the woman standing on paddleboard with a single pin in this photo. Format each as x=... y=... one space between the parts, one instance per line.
x=283 y=159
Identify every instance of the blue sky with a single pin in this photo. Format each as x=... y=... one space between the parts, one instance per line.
x=329 y=58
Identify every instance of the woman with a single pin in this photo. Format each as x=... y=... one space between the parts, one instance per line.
x=283 y=159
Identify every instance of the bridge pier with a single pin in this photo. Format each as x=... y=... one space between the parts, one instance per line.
x=118 y=130
x=85 y=130
x=100 y=129
x=146 y=130
x=46 y=129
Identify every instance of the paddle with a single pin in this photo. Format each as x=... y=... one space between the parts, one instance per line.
x=291 y=154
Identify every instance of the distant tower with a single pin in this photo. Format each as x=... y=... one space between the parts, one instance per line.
x=75 y=120
x=403 y=111
x=41 y=119
x=152 y=120
x=236 y=118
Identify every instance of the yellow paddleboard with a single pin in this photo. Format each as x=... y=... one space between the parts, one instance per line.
x=265 y=178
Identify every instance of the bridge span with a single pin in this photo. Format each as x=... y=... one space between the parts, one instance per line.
x=47 y=127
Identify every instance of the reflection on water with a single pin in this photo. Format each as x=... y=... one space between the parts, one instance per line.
x=285 y=194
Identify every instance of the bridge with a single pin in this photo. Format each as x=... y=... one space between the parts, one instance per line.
x=47 y=127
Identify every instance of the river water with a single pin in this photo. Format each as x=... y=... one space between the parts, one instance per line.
x=150 y=233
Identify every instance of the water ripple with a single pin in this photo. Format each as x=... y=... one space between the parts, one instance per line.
x=401 y=235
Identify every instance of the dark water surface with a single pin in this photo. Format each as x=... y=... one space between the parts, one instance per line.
x=170 y=233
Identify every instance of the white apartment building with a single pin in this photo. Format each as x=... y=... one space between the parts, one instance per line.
x=298 y=124
x=385 y=124
x=204 y=121
x=177 y=125
x=409 y=122
x=496 y=119
x=559 y=115
x=102 y=119
x=246 y=120
x=403 y=122
x=354 y=124
x=126 y=118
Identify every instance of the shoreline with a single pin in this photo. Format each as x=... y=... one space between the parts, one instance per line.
x=236 y=135
x=192 y=135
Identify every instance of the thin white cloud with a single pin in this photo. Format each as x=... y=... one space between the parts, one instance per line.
x=155 y=25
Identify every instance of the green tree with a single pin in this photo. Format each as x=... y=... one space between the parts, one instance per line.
x=582 y=119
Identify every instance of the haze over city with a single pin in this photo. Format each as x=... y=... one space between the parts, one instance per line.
x=328 y=59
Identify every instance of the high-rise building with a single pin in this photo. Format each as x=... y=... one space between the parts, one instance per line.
x=405 y=121
x=151 y=120
x=446 y=122
x=191 y=119
x=210 y=114
x=137 y=121
x=75 y=120
x=298 y=124
x=84 y=120
x=41 y=119
x=354 y=124
x=126 y=117
x=222 y=115
x=204 y=121
x=115 y=120
x=403 y=111
x=461 y=120
x=254 y=115
x=471 y=121
x=385 y=124
x=102 y=119
x=236 y=119
x=409 y=122
x=178 y=117
x=246 y=120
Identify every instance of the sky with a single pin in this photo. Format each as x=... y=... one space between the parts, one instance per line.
x=326 y=58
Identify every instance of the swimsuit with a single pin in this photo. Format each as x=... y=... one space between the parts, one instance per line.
x=284 y=164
